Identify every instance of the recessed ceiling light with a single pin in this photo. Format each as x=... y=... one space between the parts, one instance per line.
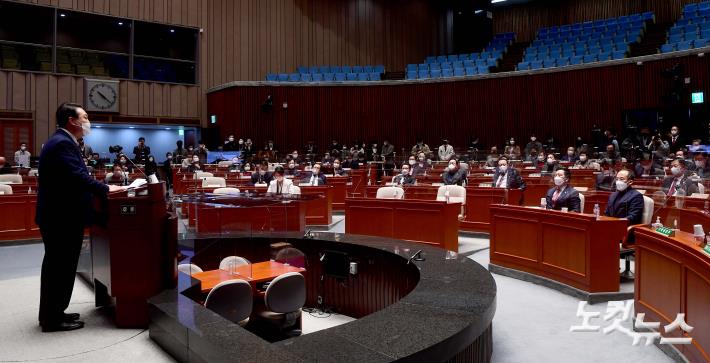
x=131 y=127
x=497 y=1
x=172 y=30
x=63 y=15
x=120 y=23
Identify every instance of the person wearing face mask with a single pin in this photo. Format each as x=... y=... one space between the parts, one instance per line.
x=311 y=148
x=151 y=167
x=293 y=156
x=316 y=177
x=292 y=169
x=327 y=159
x=539 y=162
x=196 y=165
x=280 y=185
x=22 y=156
x=551 y=164
x=261 y=175
x=701 y=166
x=405 y=177
x=179 y=153
x=507 y=177
x=141 y=151
x=563 y=195
x=533 y=144
x=675 y=140
x=64 y=208
x=338 y=169
x=167 y=170
x=123 y=162
x=117 y=177
x=421 y=147
x=4 y=167
x=421 y=165
x=247 y=150
x=335 y=148
x=387 y=150
x=570 y=156
x=454 y=174
x=512 y=151
x=583 y=161
x=446 y=151
x=230 y=144
x=532 y=156
x=626 y=202
x=201 y=152
x=679 y=183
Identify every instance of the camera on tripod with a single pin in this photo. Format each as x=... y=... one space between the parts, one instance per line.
x=115 y=149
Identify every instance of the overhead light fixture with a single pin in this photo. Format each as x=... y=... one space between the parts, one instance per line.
x=167 y=128
x=478 y=11
x=172 y=30
x=120 y=23
x=131 y=127
x=497 y=1
x=63 y=15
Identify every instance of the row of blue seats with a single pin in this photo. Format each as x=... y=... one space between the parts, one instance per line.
x=618 y=54
x=685 y=45
x=341 y=69
x=690 y=28
x=580 y=46
x=694 y=16
x=456 y=72
x=647 y=16
x=598 y=37
x=586 y=32
x=322 y=77
x=463 y=57
x=450 y=65
x=693 y=20
x=696 y=6
x=676 y=38
x=571 y=61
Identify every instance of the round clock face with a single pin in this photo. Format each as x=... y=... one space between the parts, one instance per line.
x=103 y=96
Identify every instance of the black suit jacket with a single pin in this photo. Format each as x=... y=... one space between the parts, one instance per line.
x=514 y=180
x=627 y=204
x=256 y=178
x=65 y=186
x=568 y=198
x=321 y=179
x=404 y=179
x=686 y=185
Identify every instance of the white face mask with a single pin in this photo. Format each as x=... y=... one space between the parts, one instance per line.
x=452 y=166
x=23 y=148
x=512 y=142
x=421 y=158
x=559 y=180
x=503 y=168
x=195 y=160
x=86 y=128
x=621 y=185
x=280 y=178
x=533 y=139
x=550 y=161
x=412 y=162
x=541 y=158
x=570 y=153
x=582 y=158
x=673 y=132
x=405 y=171
x=231 y=139
x=336 y=165
x=699 y=163
x=247 y=168
x=675 y=170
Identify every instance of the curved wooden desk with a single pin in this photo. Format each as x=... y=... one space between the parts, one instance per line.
x=672 y=277
x=573 y=249
x=17 y=213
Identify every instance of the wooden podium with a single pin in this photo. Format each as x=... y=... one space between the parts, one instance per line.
x=131 y=255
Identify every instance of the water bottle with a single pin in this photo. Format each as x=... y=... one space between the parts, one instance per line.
x=596 y=210
x=446 y=194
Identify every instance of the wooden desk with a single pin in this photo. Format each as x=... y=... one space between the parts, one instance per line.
x=673 y=276
x=17 y=216
x=340 y=187
x=257 y=213
x=575 y=249
x=478 y=202
x=686 y=217
x=255 y=273
x=319 y=210
x=430 y=222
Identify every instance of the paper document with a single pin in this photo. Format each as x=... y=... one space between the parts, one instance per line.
x=137 y=183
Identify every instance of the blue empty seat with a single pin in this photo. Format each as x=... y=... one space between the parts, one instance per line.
x=483 y=70
x=463 y=57
x=283 y=77
x=619 y=54
x=346 y=69
x=317 y=77
x=294 y=77
x=424 y=66
x=379 y=68
x=452 y=57
x=356 y=69
x=306 y=77
x=311 y=70
x=272 y=77
x=328 y=77
x=411 y=75
x=441 y=59
x=457 y=64
x=469 y=63
x=536 y=65
x=705 y=34
x=530 y=57
x=471 y=71
x=577 y=59
x=459 y=72
x=375 y=76
x=445 y=65
x=675 y=38
x=368 y=69
x=336 y=69
x=423 y=73
x=684 y=45
x=699 y=43
x=302 y=69
x=340 y=77
x=603 y=56
x=590 y=58
x=666 y=48
x=430 y=59
x=434 y=66
x=351 y=76
x=447 y=72
x=435 y=73
x=411 y=67
x=363 y=76
x=323 y=69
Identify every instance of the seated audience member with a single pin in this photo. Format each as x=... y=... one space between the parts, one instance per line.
x=335 y=148
x=454 y=174
x=533 y=144
x=647 y=167
x=338 y=169
x=236 y=165
x=201 y=152
x=311 y=149
x=583 y=162
x=610 y=153
x=551 y=165
x=292 y=169
x=230 y=144
x=327 y=159
x=316 y=177
x=701 y=167
x=196 y=165
x=373 y=152
x=151 y=167
x=248 y=167
x=512 y=151
x=532 y=155
x=387 y=150
x=280 y=185
x=168 y=170
x=446 y=151
x=261 y=175
x=421 y=147
x=117 y=177
x=605 y=179
x=125 y=165
x=539 y=163
x=22 y=156
x=405 y=178
x=4 y=168
x=421 y=165
x=625 y=202
x=679 y=183
x=563 y=195
x=506 y=176
x=293 y=156
x=492 y=157
x=570 y=157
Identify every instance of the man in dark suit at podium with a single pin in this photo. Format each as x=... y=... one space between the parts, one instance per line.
x=63 y=211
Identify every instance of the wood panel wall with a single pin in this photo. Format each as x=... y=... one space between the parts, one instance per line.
x=527 y=19
x=565 y=104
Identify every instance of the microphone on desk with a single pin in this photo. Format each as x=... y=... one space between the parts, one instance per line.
x=417 y=256
x=309 y=235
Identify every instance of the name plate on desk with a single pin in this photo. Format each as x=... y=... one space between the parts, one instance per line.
x=665 y=231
